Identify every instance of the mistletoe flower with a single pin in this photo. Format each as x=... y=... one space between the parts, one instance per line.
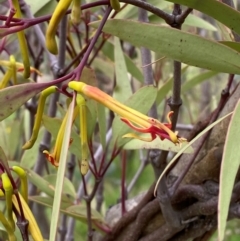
x=129 y=116
x=54 y=157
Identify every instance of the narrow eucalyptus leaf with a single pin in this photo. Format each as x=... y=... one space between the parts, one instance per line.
x=229 y=168
x=11 y=98
x=178 y=45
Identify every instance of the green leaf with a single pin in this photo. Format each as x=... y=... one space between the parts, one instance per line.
x=11 y=98
x=68 y=188
x=229 y=168
x=216 y=9
x=53 y=125
x=195 y=21
x=108 y=50
x=36 y=5
x=88 y=76
x=43 y=185
x=48 y=201
x=166 y=145
x=76 y=211
x=106 y=67
x=197 y=80
x=46 y=9
x=178 y=45
x=175 y=158
x=80 y=212
x=233 y=45
x=40 y=183
x=122 y=90
x=141 y=101
x=60 y=175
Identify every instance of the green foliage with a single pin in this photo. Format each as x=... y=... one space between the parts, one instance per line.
x=110 y=59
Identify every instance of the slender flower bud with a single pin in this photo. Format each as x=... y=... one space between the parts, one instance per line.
x=24 y=183
x=58 y=14
x=22 y=42
x=115 y=4
x=55 y=156
x=38 y=119
x=7 y=186
x=76 y=12
x=83 y=134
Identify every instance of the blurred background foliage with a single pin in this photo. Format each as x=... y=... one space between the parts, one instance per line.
x=201 y=91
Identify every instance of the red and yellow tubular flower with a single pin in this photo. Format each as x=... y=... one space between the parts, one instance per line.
x=54 y=157
x=129 y=116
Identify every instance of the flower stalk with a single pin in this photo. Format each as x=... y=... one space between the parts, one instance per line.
x=22 y=42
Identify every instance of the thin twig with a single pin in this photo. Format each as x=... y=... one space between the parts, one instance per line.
x=80 y=193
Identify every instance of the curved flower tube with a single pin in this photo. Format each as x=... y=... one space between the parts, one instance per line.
x=55 y=156
x=144 y=123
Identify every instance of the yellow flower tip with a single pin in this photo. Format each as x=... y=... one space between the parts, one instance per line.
x=51 y=43
x=173 y=137
x=27 y=145
x=51 y=158
x=77 y=86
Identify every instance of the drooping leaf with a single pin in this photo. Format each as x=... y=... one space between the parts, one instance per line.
x=187 y=48
x=122 y=90
x=60 y=175
x=11 y=98
x=141 y=101
x=155 y=144
x=216 y=9
x=229 y=168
